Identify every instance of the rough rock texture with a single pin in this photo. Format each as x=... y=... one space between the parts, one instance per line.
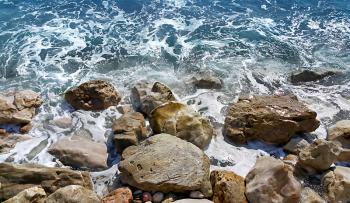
x=80 y=152
x=308 y=195
x=128 y=130
x=273 y=119
x=73 y=194
x=340 y=133
x=165 y=163
x=295 y=145
x=319 y=156
x=15 y=178
x=272 y=181
x=146 y=96
x=336 y=184
x=9 y=141
x=227 y=187
x=309 y=76
x=181 y=121
x=18 y=107
x=93 y=95
x=120 y=195
x=206 y=81
x=30 y=195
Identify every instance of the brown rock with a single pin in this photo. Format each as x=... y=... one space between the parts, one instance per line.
x=308 y=195
x=73 y=194
x=25 y=129
x=272 y=181
x=340 y=133
x=177 y=119
x=120 y=195
x=30 y=195
x=165 y=163
x=227 y=187
x=123 y=109
x=93 y=95
x=16 y=178
x=310 y=76
x=273 y=119
x=128 y=130
x=337 y=185
x=206 y=80
x=319 y=156
x=146 y=96
x=18 y=107
x=80 y=152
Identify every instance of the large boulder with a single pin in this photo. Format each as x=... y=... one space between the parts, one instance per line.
x=73 y=194
x=30 y=195
x=147 y=96
x=165 y=163
x=227 y=187
x=128 y=130
x=319 y=155
x=181 y=121
x=340 y=133
x=80 y=152
x=308 y=195
x=309 y=76
x=93 y=95
x=19 y=107
x=272 y=181
x=336 y=184
x=16 y=178
x=273 y=119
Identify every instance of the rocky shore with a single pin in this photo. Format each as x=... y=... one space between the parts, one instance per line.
x=158 y=146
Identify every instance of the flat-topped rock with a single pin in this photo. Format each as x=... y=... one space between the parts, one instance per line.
x=180 y=120
x=80 y=152
x=165 y=163
x=146 y=96
x=16 y=178
x=93 y=95
x=272 y=119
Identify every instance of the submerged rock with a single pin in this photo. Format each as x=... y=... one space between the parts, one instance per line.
x=319 y=156
x=340 y=133
x=30 y=195
x=309 y=76
x=147 y=96
x=16 y=178
x=120 y=195
x=181 y=121
x=93 y=95
x=308 y=195
x=128 y=130
x=80 y=152
x=73 y=194
x=336 y=184
x=165 y=163
x=272 y=119
x=19 y=107
x=227 y=187
x=272 y=181
x=206 y=80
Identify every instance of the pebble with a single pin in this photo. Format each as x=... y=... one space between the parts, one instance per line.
x=146 y=196
x=137 y=194
x=196 y=195
x=158 y=197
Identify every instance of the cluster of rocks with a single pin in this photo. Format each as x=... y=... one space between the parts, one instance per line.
x=166 y=163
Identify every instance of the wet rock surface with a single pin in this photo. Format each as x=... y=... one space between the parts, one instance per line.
x=336 y=183
x=310 y=76
x=165 y=163
x=181 y=121
x=204 y=80
x=272 y=119
x=93 y=95
x=80 y=152
x=16 y=178
x=146 y=96
x=9 y=141
x=73 y=194
x=129 y=130
x=227 y=187
x=271 y=180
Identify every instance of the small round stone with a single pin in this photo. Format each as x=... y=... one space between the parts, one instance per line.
x=146 y=196
x=158 y=197
x=137 y=194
